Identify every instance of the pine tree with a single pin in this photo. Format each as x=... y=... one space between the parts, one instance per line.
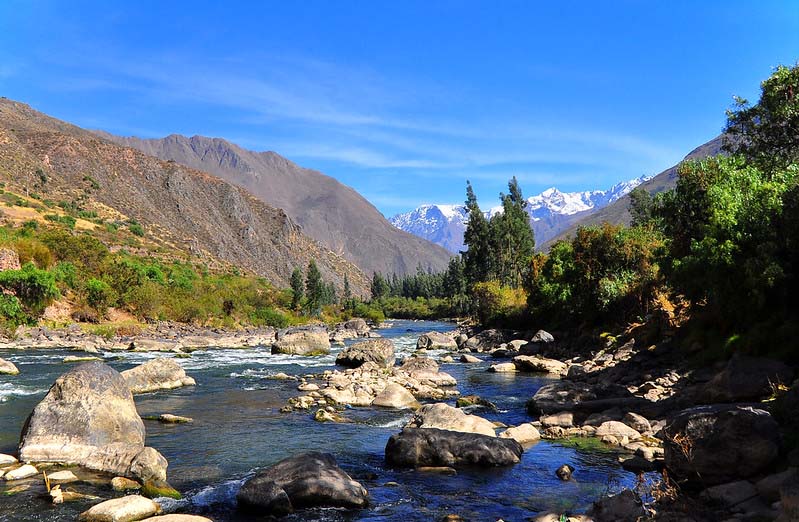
x=512 y=241
x=297 y=288
x=380 y=287
x=477 y=257
x=346 y=294
x=314 y=289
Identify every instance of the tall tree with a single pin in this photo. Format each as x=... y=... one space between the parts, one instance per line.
x=477 y=256
x=512 y=237
x=767 y=133
x=380 y=287
x=297 y=288
x=314 y=289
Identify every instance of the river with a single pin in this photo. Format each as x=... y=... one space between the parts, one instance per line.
x=238 y=427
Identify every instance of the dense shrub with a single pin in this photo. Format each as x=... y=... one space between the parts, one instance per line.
x=100 y=295
x=34 y=288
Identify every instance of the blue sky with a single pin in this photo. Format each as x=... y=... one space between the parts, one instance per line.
x=406 y=100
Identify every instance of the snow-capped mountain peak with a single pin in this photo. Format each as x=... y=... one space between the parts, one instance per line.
x=550 y=213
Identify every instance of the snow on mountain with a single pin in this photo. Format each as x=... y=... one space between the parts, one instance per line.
x=550 y=212
x=441 y=224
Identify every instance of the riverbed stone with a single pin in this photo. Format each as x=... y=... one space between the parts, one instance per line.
x=537 y=364
x=732 y=493
x=469 y=359
x=436 y=341
x=637 y=422
x=396 y=396
x=62 y=477
x=124 y=509
x=717 y=444
x=89 y=418
x=307 y=341
x=617 y=429
x=8 y=368
x=622 y=507
x=444 y=417
x=22 y=472
x=523 y=433
x=415 y=447
x=379 y=351
x=564 y=419
x=503 y=368
x=124 y=484
x=157 y=374
x=7 y=460
x=179 y=518
x=769 y=487
x=746 y=379
x=307 y=480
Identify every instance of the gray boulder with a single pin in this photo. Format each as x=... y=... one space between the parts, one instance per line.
x=302 y=481
x=436 y=341
x=622 y=507
x=433 y=447
x=158 y=374
x=746 y=379
x=313 y=340
x=379 y=351
x=538 y=343
x=88 y=418
x=396 y=396
x=717 y=444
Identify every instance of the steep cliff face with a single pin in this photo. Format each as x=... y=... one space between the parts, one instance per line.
x=189 y=210
x=328 y=211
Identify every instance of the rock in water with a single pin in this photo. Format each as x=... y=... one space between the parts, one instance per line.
x=396 y=396
x=445 y=417
x=433 y=447
x=718 y=444
x=523 y=434
x=564 y=472
x=306 y=480
x=302 y=341
x=8 y=368
x=124 y=509
x=436 y=341
x=379 y=351
x=88 y=418
x=158 y=374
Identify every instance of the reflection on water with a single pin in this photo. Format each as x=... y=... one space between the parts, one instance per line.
x=238 y=427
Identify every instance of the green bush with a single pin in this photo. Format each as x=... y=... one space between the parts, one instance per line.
x=136 y=229
x=100 y=295
x=34 y=288
x=11 y=312
x=269 y=317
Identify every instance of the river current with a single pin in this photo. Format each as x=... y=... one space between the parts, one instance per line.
x=238 y=428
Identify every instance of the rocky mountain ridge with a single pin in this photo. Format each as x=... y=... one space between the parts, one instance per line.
x=326 y=210
x=191 y=212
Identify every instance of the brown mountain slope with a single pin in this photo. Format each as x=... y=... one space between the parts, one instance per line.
x=194 y=211
x=328 y=211
x=618 y=212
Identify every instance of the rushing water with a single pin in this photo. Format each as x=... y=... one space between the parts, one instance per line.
x=238 y=427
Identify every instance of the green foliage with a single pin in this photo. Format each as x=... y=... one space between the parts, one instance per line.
x=511 y=238
x=607 y=272
x=11 y=312
x=136 y=229
x=315 y=290
x=765 y=134
x=65 y=273
x=67 y=221
x=34 y=288
x=297 y=288
x=270 y=317
x=99 y=295
x=33 y=251
x=477 y=257
x=499 y=305
x=380 y=287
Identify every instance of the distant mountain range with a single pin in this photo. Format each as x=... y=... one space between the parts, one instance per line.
x=328 y=211
x=551 y=212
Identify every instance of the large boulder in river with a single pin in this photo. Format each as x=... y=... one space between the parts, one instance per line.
x=379 y=351
x=445 y=417
x=559 y=396
x=158 y=374
x=432 y=447
x=308 y=340
x=307 y=480
x=488 y=339
x=396 y=396
x=717 y=444
x=436 y=341
x=746 y=379
x=8 y=368
x=89 y=418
